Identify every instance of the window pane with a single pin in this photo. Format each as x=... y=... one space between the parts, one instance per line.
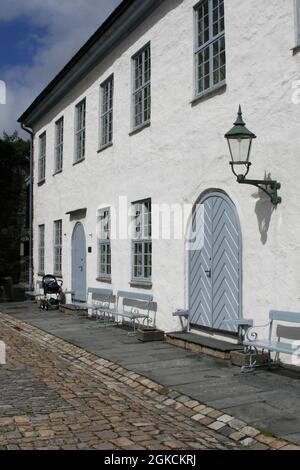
x=142 y=249
x=219 y=60
x=298 y=20
x=107 y=112
x=58 y=246
x=59 y=145
x=142 y=87
x=104 y=243
x=41 y=238
x=80 y=131
x=42 y=157
x=203 y=24
x=210 y=60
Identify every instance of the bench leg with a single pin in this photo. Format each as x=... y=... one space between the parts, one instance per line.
x=252 y=363
x=134 y=329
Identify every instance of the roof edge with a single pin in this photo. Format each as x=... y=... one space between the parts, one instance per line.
x=106 y=25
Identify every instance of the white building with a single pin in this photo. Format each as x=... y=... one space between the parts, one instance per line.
x=140 y=114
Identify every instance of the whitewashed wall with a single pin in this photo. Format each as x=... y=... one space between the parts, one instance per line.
x=184 y=152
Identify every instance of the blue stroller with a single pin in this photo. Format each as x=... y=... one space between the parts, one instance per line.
x=52 y=292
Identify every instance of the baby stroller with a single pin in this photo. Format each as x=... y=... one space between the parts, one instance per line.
x=52 y=292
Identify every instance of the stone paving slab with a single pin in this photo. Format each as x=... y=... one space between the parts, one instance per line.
x=66 y=398
x=211 y=374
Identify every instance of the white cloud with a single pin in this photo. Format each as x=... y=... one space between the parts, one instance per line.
x=68 y=24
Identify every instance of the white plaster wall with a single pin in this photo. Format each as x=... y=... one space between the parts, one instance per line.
x=184 y=153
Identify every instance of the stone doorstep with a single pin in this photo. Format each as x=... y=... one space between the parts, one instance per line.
x=70 y=309
x=202 y=344
x=146 y=385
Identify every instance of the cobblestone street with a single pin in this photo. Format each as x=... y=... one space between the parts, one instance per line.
x=57 y=396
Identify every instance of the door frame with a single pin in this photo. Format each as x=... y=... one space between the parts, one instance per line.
x=72 y=245
x=201 y=199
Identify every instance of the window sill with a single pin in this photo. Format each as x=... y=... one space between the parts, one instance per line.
x=78 y=161
x=141 y=284
x=107 y=280
x=216 y=90
x=296 y=49
x=104 y=147
x=57 y=172
x=40 y=274
x=42 y=182
x=59 y=275
x=138 y=129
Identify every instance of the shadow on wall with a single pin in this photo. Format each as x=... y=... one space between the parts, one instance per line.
x=264 y=210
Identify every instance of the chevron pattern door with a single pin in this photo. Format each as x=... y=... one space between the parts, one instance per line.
x=214 y=265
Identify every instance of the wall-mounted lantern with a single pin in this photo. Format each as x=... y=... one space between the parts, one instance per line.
x=240 y=144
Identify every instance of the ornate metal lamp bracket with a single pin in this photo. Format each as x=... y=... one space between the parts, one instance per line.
x=269 y=187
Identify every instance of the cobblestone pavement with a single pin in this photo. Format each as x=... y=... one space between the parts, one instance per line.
x=54 y=395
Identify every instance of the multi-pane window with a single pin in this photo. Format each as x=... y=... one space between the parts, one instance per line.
x=59 y=144
x=57 y=247
x=142 y=87
x=41 y=245
x=104 y=244
x=80 y=131
x=107 y=112
x=298 y=22
x=210 y=45
x=42 y=158
x=142 y=243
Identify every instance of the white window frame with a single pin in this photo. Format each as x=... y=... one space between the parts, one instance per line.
x=104 y=245
x=297 y=21
x=141 y=87
x=80 y=131
x=59 y=145
x=57 y=247
x=106 y=114
x=208 y=46
x=41 y=249
x=42 y=157
x=142 y=242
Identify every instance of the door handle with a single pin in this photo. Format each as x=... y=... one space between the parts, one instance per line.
x=208 y=273
x=81 y=268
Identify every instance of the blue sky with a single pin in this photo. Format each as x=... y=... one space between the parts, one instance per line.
x=37 y=38
x=20 y=40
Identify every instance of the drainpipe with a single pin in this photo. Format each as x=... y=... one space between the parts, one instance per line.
x=30 y=132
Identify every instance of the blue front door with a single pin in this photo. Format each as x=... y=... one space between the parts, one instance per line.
x=215 y=265
x=79 y=263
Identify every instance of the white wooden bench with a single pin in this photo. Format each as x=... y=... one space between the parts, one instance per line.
x=179 y=313
x=101 y=303
x=277 y=346
x=136 y=308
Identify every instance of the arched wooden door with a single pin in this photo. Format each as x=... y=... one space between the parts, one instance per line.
x=215 y=264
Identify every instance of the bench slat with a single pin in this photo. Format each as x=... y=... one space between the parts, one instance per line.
x=135 y=295
x=140 y=304
x=288 y=332
x=98 y=291
x=292 y=317
x=276 y=346
x=132 y=315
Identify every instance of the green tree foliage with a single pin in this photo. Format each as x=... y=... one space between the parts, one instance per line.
x=14 y=168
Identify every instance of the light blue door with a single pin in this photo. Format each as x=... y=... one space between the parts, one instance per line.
x=79 y=263
x=215 y=264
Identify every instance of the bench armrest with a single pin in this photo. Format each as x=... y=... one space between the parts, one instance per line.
x=252 y=334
